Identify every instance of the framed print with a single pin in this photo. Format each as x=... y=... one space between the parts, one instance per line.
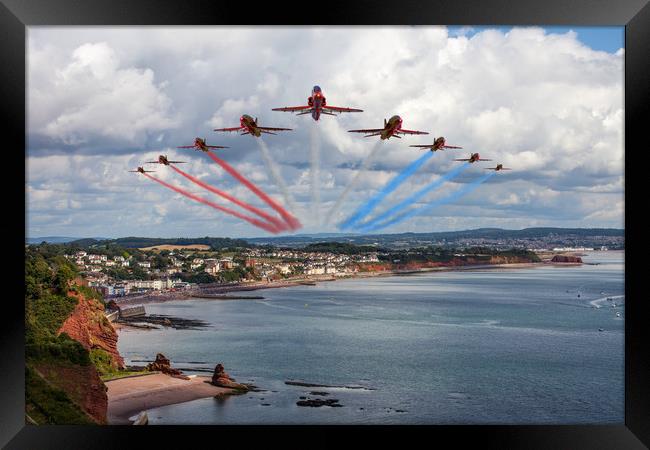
x=357 y=216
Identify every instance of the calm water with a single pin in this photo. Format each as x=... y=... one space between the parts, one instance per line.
x=505 y=346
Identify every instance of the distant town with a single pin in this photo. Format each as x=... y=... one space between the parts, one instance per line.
x=127 y=267
x=162 y=269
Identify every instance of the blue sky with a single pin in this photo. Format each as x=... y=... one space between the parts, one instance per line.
x=102 y=101
x=607 y=39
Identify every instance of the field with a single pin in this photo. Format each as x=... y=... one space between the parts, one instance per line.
x=176 y=247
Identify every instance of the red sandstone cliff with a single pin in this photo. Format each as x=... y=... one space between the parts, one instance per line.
x=81 y=383
x=566 y=259
x=454 y=262
x=88 y=326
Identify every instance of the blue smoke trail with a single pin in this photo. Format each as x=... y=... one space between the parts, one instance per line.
x=453 y=196
x=366 y=208
x=413 y=198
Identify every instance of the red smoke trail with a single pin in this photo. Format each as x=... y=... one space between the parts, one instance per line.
x=251 y=220
x=277 y=223
x=293 y=223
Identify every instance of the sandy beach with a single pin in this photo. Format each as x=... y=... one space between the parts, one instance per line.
x=129 y=396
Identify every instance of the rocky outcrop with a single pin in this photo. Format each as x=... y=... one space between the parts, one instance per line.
x=89 y=326
x=222 y=379
x=566 y=259
x=162 y=364
x=318 y=402
x=112 y=306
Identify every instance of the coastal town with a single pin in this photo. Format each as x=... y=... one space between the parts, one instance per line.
x=184 y=269
x=123 y=274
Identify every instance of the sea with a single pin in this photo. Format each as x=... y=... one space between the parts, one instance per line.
x=536 y=345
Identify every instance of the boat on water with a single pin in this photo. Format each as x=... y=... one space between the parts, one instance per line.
x=601 y=329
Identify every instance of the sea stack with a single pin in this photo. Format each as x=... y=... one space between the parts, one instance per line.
x=163 y=365
x=222 y=379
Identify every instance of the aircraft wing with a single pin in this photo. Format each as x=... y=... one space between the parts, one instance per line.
x=292 y=108
x=462 y=159
x=340 y=109
x=368 y=130
x=152 y=162
x=176 y=162
x=275 y=129
x=485 y=159
x=451 y=146
x=228 y=129
x=186 y=146
x=216 y=146
x=403 y=131
x=421 y=146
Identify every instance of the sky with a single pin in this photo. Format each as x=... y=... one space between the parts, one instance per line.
x=546 y=102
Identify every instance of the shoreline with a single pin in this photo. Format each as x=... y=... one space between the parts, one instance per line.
x=131 y=395
x=144 y=396
x=254 y=286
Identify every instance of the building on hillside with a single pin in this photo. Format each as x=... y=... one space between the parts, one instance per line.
x=284 y=269
x=212 y=266
x=227 y=263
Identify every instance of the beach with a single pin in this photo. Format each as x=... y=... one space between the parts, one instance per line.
x=130 y=395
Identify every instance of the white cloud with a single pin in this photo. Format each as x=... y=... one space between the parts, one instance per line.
x=90 y=97
x=545 y=105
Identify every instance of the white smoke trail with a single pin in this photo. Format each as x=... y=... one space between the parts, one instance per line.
x=364 y=166
x=315 y=171
x=275 y=173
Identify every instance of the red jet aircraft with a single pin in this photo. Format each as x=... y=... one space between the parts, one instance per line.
x=199 y=144
x=473 y=158
x=497 y=168
x=248 y=125
x=392 y=127
x=163 y=160
x=438 y=144
x=141 y=170
x=316 y=105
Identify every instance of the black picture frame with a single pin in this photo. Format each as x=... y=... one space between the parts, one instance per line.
x=16 y=15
